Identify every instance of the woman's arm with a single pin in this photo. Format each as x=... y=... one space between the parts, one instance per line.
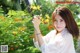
x=35 y=37
x=38 y=35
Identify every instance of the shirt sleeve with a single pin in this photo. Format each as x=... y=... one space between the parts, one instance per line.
x=60 y=45
x=53 y=47
x=36 y=44
x=46 y=39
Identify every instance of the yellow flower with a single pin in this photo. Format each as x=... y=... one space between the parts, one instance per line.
x=31 y=6
x=21 y=28
x=32 y=36
x=1 y=17
x=17 y=19
x=50 y=27
x=14 y=32
x=11 y=48
x=42 y=20
x=38 y=7
x=34 y=7
x=47 y=16
x=47 y=21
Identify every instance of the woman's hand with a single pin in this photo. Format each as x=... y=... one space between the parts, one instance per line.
x=36 y=22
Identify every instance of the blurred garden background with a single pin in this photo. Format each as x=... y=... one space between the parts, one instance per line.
x=16 y=28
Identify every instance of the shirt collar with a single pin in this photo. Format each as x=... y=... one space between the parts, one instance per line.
x=64 y=31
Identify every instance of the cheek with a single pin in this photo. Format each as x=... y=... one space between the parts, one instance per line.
x=63 y=24
x=54 y=24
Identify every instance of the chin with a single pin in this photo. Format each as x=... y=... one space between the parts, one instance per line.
x=59 y=29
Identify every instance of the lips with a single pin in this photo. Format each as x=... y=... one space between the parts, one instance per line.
x=59 y=27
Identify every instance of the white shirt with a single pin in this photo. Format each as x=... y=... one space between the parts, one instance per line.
x=57 y=43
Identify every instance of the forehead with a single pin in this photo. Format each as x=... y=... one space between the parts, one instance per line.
x=57 y=16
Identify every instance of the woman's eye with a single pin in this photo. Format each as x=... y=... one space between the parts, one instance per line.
x=61 y=20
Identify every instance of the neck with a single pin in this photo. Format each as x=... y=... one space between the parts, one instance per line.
x=58 y=32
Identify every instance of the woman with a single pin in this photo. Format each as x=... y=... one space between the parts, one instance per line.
x=59 y=40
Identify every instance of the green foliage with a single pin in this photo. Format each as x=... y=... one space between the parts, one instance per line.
x=1 y=11
x=16 y=13
x=15 y=32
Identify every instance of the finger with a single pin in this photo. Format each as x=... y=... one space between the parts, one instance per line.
x=32 y=21
x=34 y=16
x=38 y=17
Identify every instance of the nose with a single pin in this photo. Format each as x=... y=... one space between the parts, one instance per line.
x=58 y=23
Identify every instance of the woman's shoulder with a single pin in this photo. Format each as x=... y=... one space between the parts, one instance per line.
x=68 y=36
x=51 y=33
x=66 y=33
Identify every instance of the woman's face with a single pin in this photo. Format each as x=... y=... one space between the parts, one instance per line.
x=59 y=23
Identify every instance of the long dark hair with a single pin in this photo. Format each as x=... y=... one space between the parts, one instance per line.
x=66 y=14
